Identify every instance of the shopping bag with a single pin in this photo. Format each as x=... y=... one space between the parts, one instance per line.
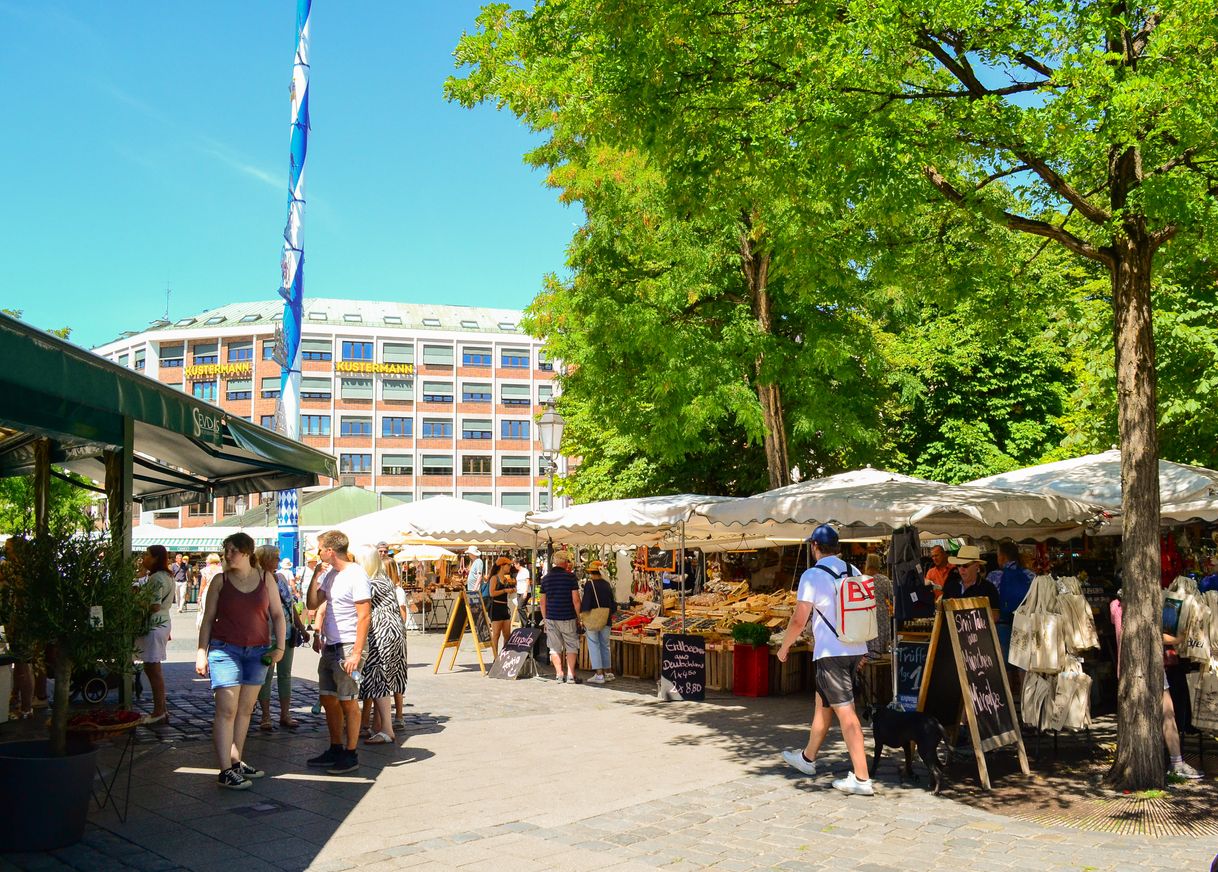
x=1205 y=701
x=1078 y=622
x=1049 y=651
x=1023 y=632
x=1195 y=639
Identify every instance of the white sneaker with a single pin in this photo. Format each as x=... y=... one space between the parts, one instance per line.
x=1183 y=770
x=795 y=759
x=850 y=784
x=597 y=679
x=609 y=676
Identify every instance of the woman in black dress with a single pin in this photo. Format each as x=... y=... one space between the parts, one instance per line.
x=503 y=585
x=384 y=672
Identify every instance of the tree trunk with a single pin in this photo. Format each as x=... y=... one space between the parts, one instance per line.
x=61 y=667
x=756 y=268
x=1139 y=755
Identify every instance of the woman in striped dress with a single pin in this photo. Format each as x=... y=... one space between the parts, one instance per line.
x=384 y=672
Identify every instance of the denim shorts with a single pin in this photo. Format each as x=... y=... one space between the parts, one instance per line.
x=232 y=665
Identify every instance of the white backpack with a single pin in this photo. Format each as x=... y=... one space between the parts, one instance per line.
x=854 y=596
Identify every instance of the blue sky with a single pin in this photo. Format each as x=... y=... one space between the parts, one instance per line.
x=147 y=143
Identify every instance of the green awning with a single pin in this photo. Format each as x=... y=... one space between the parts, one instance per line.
x=185 y=451
x=324 y=508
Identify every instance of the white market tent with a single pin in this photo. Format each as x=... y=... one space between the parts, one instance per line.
x=440 y=519
x=422 y=552
x=1187 y=493
x=641 y=521
x=870 y=501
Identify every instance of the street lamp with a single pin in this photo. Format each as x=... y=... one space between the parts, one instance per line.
x=549 y=428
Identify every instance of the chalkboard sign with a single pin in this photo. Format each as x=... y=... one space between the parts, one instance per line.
x=683 y=667
x=969 y=678
x=659 y=560
x=516 y=658
x=910 y=660
x=481 y=620
x=468 y=615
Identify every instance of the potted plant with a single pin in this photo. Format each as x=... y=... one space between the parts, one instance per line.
x=750 y=660
x=70 y=597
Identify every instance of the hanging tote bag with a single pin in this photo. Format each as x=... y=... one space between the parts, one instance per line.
x=595 y=619
x=1205 y=700
x=1049 y=643
x=1023 y=631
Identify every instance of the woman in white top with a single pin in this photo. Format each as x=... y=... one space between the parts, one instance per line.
x=150 y=648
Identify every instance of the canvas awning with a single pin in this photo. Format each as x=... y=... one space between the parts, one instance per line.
x=1186 y=493
x=319 y=509
x=870 y=501
x=196 y=538
x=641 y=521
x=182 y=450
x=442 y=519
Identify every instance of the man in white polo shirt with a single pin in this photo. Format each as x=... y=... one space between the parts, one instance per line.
x=345 y=598
x=837 y=663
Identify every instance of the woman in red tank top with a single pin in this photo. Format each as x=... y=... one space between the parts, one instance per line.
x=234 y=650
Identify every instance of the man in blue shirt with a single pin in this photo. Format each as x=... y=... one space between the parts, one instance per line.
x=837 y=663
x=560 y=610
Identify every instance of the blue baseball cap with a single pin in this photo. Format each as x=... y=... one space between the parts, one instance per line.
x=823 y=535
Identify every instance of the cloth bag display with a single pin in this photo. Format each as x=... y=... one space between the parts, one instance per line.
x=1078 y=623
x=1205 y=699
x=1037 y=640
x=1037 y=702
x=1023 y=628
x=1195 y=642
x=1070 y=708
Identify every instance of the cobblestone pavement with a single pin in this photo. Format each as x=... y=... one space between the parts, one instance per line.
x=540 y=776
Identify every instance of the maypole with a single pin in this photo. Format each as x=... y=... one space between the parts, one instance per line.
x=292 y=290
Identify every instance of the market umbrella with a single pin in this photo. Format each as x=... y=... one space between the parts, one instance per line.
x=1186 y=493
x=422 y=552
x=439 y=518
x=875 y=501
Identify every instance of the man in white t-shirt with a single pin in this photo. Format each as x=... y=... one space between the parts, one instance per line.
x=473 y=583
x=345 y=598
x=523 y=580
x=837 y=663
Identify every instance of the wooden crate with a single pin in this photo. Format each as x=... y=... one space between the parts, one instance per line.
x=719 y=665
x=793 y=676
x=875 y=688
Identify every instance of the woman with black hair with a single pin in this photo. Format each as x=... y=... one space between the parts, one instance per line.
x=150 y=648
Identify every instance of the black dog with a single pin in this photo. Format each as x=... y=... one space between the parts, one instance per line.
x=896 y=729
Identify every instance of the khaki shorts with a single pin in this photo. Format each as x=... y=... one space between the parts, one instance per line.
x=562 y=636
x=835 y=680
x=332 y=679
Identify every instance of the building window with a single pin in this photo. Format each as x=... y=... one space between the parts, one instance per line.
x=397 y=464
x=171 y=355
x=402 y=427
x=515 y=466
x=543 y=362
x=513 y=429
x=354 y=464
x=543 y=501
x=514 y=358
x=316 y=388
x=199 y=510
x=521 y=502
x=239 y=389
x=397 y=352
x=267 y=421
x=356 y=389
x=270 y=387
x=472 y=428
x=205 y=353
x=243 y=353
x=316 y=349
x=437 y=464
x=437 y=392
x=478 y=497
x=268 y=350
x=314 y=425
x=400 y=390
x=545 y=394
x=437 y=429
x=229 y=507
x=474 y=392
x=169 y=363
x=476 y=464
x=515 y=395
x=438 y=355
x=355 y=427
x=139 y=359
x=204 y=390
x=357 y=350
x=475 y=357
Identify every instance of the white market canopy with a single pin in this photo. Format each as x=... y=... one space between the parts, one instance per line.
x=443 y=519
x=873 y=501
x=407 y=553
x=641 y=521
x=1187 y=493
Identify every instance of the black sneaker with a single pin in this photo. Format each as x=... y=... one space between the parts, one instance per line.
x=347 y=761
x=233 y=780
x=248 y=771
x=326 y=758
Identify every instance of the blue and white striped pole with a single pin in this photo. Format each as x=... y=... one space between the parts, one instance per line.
x=292 y=291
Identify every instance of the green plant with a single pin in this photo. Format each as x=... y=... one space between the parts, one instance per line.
x=756 y=635
x=70 y=596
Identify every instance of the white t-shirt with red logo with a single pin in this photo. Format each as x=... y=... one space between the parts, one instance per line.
x=816 y=587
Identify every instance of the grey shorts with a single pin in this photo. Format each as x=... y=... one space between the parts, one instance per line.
x=835 y=679
x=562 y=636
x=332 y=679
